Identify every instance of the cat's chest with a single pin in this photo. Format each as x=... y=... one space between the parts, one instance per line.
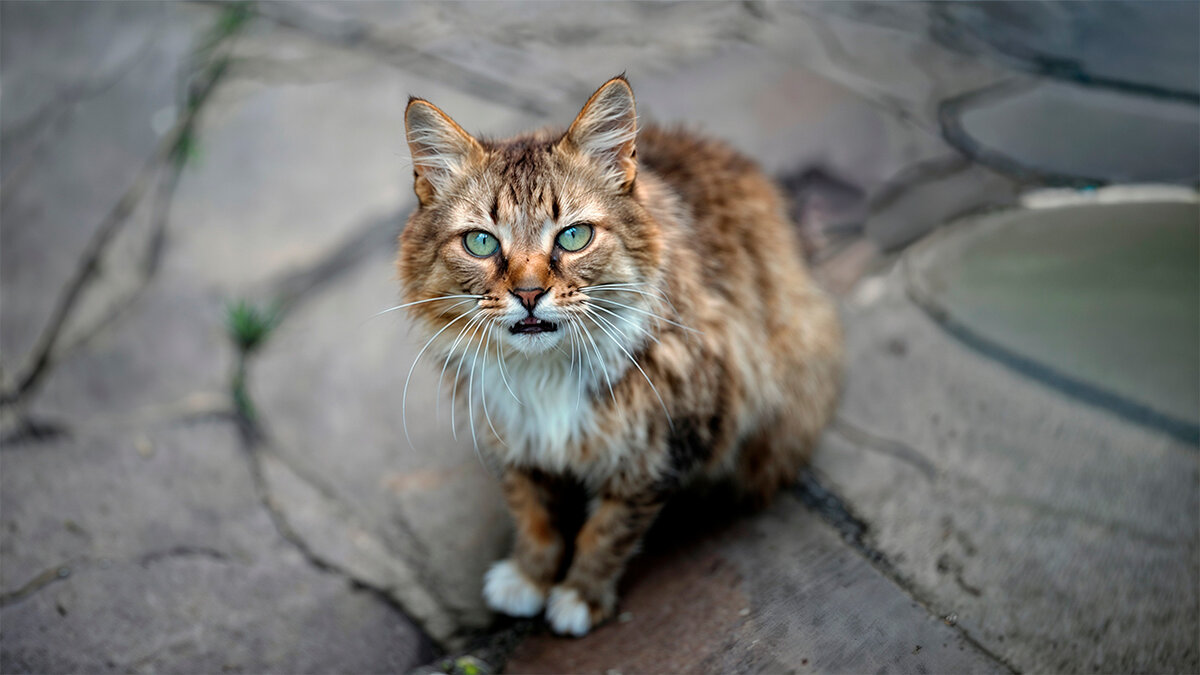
x=544 y=416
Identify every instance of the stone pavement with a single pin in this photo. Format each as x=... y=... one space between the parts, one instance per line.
x=985 y=500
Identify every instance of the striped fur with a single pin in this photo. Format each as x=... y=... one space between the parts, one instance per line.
x=690 y=338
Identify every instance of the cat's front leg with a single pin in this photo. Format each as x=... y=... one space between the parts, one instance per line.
x=611 y=534
x=517 y=586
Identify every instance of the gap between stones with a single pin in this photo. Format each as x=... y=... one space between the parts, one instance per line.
x=64 y=571
x=212 y=59
x=290 y=291
x=356 y=35
x=826 y=504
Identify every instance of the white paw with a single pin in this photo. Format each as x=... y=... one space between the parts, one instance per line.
x=567 y=613
x=507 y=590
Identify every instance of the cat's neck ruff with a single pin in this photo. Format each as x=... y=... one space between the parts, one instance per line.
x=543 y=406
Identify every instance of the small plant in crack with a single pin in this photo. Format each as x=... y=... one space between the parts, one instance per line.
x=232 y=20
x=187 y=149
x=248 y=326
x=208 y=69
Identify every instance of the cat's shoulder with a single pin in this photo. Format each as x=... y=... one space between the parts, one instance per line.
x=679 y=150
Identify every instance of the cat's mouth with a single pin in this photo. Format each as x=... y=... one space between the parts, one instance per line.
x=532 y=324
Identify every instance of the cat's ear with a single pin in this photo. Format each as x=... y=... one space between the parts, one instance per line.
x=440 y=148
x=606 y=131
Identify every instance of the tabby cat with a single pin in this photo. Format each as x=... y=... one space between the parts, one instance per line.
x=624 y=310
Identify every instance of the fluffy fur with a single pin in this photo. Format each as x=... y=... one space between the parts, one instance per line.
x=685 y=339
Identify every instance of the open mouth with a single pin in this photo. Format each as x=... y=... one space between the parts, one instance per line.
x=531 y=324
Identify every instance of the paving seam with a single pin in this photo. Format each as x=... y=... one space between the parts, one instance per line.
x=830 y=507
x=1077 y=389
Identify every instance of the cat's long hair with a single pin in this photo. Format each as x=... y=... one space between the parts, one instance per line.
x=620 y=307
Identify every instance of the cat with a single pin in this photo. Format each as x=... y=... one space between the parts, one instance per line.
x=644 y=315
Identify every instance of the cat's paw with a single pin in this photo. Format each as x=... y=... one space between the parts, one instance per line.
x=568 y=613
x=508 y=591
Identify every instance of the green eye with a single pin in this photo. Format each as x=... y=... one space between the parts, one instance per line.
x=575 y=237
x=480 y=244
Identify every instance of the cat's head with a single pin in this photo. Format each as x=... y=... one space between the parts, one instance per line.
x=513 y=233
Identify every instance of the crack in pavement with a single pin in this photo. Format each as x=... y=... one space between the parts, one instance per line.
x=291 y=288
x=56 y=112
x=64 y=571
x=356 y=35
x=861 y=437
x=977 y=487
x=1036 y=370
x=414 y=560
x=253 y=444
x=45 y=350
x=830 y=507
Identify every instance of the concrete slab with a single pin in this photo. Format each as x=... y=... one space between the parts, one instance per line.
x=89 y=91
x=1104 y=296
x=1099 y=135
x=1134 y=45
x=330 y=384
x=147 y=549
x=180 y=544
x=432 y=504
x=1060 y=536
x=779 y=592
x=165 y=354
x=317 y=150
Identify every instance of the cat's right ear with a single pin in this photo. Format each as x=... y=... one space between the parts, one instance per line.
x=440 y=148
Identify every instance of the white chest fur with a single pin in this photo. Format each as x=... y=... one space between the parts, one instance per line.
x=542 y=408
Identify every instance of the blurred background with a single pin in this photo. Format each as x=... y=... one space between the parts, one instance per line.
x=202 y=462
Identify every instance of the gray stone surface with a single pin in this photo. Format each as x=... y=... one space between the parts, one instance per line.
x=779 y=592
x=1062 y=538
x=89 y=89
x=1132 y=44
x=432 y=506
x=1104 y=294
x=1014 y=509
x=147 y=549
x=1097 y=135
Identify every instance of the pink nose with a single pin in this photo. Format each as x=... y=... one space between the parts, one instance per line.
x=528 y=296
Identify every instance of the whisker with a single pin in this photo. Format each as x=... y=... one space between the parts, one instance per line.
x=648 y=294
x=457 y=372
x=600 y=358
x=442 y=376
x=404 y=398
x=421 y=302
x=471 y=388
x=503 y=369
x=641 y=329
x=578 y=338
x=647 y=313
x=571 y=365
x=571 y=336
x=614 y=284
x=635 y=365
x=483 y=393
x=628 y=288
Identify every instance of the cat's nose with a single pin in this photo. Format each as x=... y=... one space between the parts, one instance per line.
x=528 y=296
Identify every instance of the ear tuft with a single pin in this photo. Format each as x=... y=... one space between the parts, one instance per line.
x=606 y=130
x=440 y=148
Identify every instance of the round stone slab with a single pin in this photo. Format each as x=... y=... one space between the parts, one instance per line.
x=1069 y=133
x=1098 y=299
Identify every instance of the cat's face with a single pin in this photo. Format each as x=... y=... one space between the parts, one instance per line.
x=522 y=230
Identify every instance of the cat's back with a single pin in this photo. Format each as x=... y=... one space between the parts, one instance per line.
x=707 y=173
x=738 y=226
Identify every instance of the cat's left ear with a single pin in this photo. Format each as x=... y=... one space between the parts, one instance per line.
x=606 y=131
x=441 y=150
